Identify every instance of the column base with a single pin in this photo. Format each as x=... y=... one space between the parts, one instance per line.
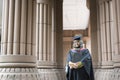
x=116 y=59
x=52 y=74
x=19 y=74
x=104 y=74
x=17 y=65
x=107 y=74
x=46 y=64
x=107 y=64
x=116 y=74
x=17 y=61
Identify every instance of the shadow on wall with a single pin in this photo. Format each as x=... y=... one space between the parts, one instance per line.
x=1 y=1
x=0 y=12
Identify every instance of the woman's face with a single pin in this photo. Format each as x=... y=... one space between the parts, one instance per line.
x=76 y=43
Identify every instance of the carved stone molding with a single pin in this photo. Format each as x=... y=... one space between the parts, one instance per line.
x=51 y=74
x=17 y=58
x=18 y=74
x=107 y=64
x=16 y=65
x=17 y=61
x=104 y=74
x=46 y=64
x=116 y=74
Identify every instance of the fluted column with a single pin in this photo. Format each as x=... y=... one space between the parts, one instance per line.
x=18 y=43
x=15 y=32
x=117 y=33
x=10 y=26
x=16 y=35
x=94 y=33
x=99 y=34
x=112 y=24
x=47 y=50
x=44 y=33
x=103 y=36
x=107 y=33
x=5 y=32
x=106 y=36
x=116 y=57
x=23 y=27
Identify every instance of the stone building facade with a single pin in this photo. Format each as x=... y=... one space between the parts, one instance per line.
x=32 y=44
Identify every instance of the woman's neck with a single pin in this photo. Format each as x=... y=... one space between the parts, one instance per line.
x=78 y=48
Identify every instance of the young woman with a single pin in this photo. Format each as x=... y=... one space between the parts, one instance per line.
x=79 y=62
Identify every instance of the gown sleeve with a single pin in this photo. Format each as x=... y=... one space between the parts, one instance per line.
x=67 y=65
x=69 y=56
x=88 y=64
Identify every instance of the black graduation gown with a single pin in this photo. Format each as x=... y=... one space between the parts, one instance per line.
x=84 y=73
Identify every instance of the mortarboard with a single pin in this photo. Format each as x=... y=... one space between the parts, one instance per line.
x=77 y=37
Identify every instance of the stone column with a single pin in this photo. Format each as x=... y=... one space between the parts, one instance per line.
x=105 y=24
x=46 y=40
x=116 y=43
x=93 y=29
x=4 y=33
x=106 y=21
x=112 y=24
x=117 y=33
x=44 y=33
x=106 y=35
x=99 y=24
x=103 y=35
x=17 y=58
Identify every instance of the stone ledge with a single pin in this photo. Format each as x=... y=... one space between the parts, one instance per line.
x=107 y=63
x=46 y=64
x=117 y=65
x=17 y=65
x=17 y=59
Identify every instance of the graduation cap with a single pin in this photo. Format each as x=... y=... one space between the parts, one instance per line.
x=77 y=37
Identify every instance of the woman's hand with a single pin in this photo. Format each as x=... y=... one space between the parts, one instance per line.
x=75 y=65
x=71 y=65
x=79 y=64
